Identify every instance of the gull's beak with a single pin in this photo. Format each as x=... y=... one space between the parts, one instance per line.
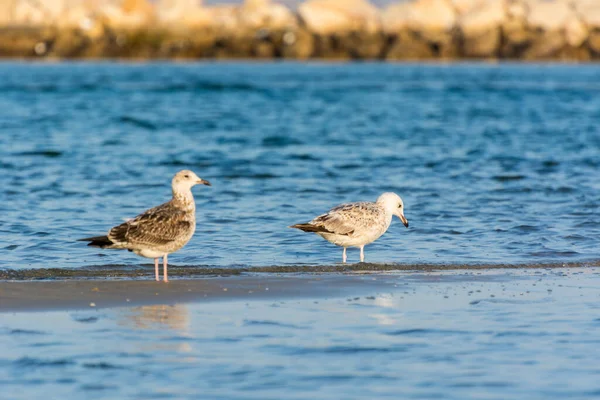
x=203 y=182
x=403 y=219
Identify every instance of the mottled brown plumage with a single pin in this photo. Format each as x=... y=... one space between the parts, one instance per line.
x=158 y=231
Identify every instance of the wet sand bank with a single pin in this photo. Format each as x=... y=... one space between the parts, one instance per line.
x=203 y=271
x=89 y=294
x=81 y=288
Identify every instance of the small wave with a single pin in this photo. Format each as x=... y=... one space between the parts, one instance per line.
x=25 y=332
x=138 y=122
x=85 y=320
x=341 y=350
x=425 y=331
x=279 y=141
x=29 y=362
x=102 y=365
x=270 y=323
x=508 y=178
x=41 y=153
x=34 y=88
x=554 y=253
x=208 y=86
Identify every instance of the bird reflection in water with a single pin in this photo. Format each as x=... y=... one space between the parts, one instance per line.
x=159 y=318
x=174 y=317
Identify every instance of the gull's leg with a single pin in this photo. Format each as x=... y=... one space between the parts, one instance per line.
x=344 y=256
x=362 y=253
x=165 y=262
x=156 y=269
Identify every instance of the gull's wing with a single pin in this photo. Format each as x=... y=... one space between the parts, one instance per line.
x=346 y=219
x=157 y=226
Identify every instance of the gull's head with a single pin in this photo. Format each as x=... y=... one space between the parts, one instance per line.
x=394 y=205
x=184 y=180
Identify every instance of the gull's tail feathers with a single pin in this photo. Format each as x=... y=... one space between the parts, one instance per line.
x=308 y=227
x=98 y=241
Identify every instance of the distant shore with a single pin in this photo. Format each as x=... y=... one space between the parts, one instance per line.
x=438 y=30
x=39 y=43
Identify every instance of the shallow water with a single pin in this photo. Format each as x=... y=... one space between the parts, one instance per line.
x=521 y=334
x=495 y=163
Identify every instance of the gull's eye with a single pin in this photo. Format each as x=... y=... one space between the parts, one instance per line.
x=399 y=205
x=186 y=176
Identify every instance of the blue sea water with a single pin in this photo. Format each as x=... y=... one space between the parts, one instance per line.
x=496 y=163
x=522 y=334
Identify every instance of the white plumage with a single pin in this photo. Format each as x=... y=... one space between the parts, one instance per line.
x=357 y=224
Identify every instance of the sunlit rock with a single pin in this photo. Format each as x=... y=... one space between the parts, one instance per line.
x=432 y=16
x=185 y=14
x=576 y=31
x=548 y=16
x=517 y=9
x=128 y=14
x=257 y=14
x=327 y=17
x=590 y=14
x=481 y=29
x=430 y=23
x=466 y=6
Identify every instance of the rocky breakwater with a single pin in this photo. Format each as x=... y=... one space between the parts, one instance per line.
x=322 y=29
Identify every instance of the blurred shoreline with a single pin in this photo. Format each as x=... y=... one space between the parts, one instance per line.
x=343 y=30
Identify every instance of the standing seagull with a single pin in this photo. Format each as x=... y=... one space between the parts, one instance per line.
x=158 y=231
x=357 y=224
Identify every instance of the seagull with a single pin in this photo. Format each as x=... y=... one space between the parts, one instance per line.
x=357 y=224
x=161 y=230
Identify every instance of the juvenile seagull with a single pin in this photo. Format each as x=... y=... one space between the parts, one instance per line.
x=158 y=231
x=357 y=224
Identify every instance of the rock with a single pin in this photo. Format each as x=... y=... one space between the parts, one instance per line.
x=262 y=14
x=431 y=21
x=576 y=32
x=575 y=54
x=24 y=41
x=488 y=16
x=188 y=14
x=396 y=18
x=26 y=13
x=432 y=15
x=481 y=29
x=545 y=45
x=327 y=17
x=515 y=32
x=6 y=11
x=517 y=9
x=548 y=16
x=408 y=47
x=223 y=18
x=594 y=42
x=297 y=44
x=485 y=45
x=466 y=6
x=127 y=14
x=69 y=42
x=590 y=14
